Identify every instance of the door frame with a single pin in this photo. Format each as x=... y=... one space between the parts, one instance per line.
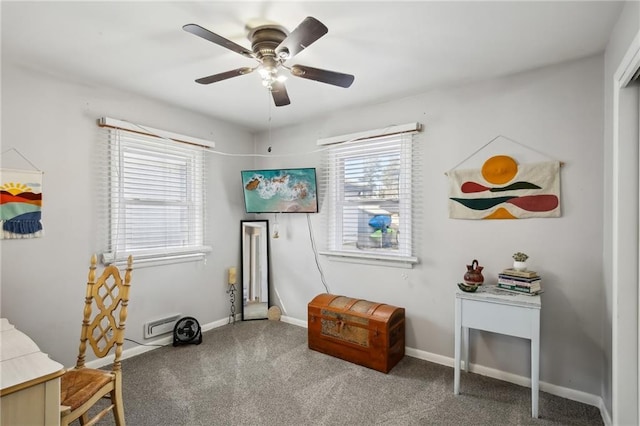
x=625 y=244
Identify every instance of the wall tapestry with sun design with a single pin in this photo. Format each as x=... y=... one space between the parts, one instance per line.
x=20 y=203
x=504 y=189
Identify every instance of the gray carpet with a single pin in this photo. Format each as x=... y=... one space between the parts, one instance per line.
x=262 y=373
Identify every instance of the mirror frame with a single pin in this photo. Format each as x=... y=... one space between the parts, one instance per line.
x=247 y=245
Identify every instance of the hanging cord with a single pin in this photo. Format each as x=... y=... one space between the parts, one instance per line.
x=23 y=157
x=315 y=253
x=269 y=155
x=524 y=146
x=225 y=154
x=229 y=154
x=269 y=109
x=475 y=152
x=144 y=344
x=510 y=140
x=118 y=171
x=276 y=231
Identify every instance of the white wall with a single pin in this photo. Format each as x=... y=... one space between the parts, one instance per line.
x=556 y=110
x=620 y=383
x=53 y=123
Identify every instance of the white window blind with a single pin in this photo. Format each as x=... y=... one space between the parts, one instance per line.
x=155 y=191
x=373 y=185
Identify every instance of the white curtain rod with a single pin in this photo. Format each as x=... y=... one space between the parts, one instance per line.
x=150 y=131
x=387 y=131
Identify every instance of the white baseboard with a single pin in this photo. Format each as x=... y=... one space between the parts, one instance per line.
x=294 y=321
x=572 y=394
x=606 y=416
x=149 y=346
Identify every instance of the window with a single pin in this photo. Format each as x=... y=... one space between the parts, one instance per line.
x=156 y=193
x=371 y=189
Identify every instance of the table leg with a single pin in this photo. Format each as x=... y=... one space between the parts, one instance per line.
x=465 y=347
x=535 y=364
x=456 y=362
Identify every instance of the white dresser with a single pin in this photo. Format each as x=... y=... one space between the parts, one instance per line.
x=30 y=381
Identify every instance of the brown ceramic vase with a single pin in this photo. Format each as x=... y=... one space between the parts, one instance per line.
x=473 y=276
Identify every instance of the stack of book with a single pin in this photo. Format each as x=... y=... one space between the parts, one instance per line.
x=527 y=282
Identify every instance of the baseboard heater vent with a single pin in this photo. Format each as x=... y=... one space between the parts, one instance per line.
x=161 y=326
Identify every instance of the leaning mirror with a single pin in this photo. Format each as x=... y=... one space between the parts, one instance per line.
x=254 y=247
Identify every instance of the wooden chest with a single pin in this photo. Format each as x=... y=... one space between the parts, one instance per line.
x=366 y=333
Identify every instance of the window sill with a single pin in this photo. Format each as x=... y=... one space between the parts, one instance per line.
x=406 y=262
x=144 y=261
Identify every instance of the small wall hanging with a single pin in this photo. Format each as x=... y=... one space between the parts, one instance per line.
x=20 y=203
x=504 y=189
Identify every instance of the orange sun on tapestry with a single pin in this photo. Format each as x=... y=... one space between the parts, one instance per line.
x=504 y=189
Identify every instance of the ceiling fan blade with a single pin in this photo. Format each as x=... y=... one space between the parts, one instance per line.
x=323 y=76
x=215 y=38
x=279 y=93
x=224 y=75
x=301 y=37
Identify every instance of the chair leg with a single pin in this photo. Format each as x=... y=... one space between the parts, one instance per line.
x=118 y=407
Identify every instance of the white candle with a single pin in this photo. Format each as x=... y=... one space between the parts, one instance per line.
x=232 y=275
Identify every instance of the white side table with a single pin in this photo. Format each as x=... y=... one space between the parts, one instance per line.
x=498 y=311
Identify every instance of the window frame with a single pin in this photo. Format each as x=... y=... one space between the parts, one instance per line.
x=335 y=189
x=188 y=158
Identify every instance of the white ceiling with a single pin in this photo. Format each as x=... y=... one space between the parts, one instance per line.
x=394 y=49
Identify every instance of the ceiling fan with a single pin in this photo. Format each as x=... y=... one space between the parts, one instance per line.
x=272 y=45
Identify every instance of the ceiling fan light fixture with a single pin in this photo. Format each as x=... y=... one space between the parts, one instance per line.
x=272 y=45
x=264 y=72
x=269 y=78
x=283 y=54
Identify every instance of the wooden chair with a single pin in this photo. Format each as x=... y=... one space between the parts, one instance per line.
x=82 y=387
